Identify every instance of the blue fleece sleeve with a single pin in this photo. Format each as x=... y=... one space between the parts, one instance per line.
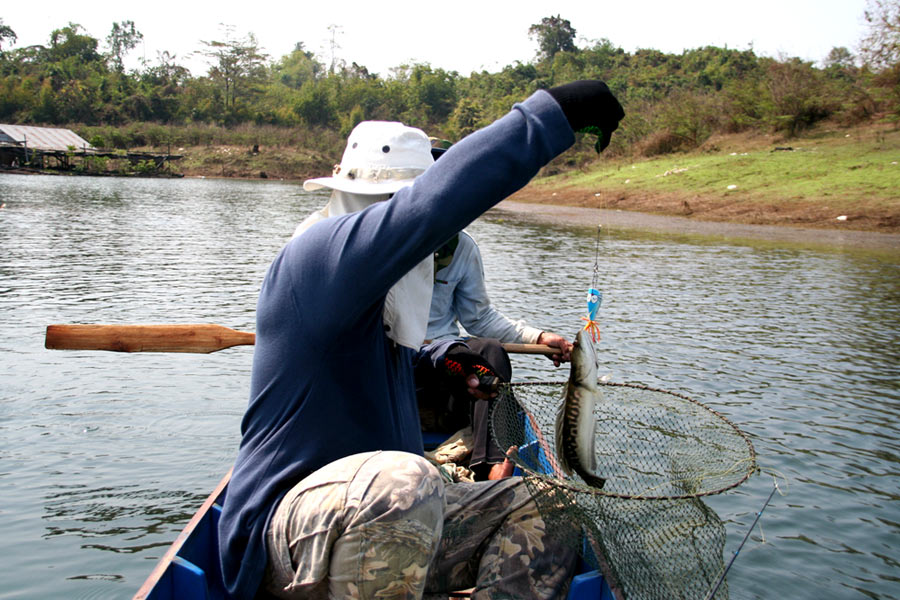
x=340 y=268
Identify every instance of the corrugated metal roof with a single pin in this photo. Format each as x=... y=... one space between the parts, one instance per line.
x=44 y=138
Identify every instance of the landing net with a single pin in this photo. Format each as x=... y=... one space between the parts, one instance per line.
x=647 y=528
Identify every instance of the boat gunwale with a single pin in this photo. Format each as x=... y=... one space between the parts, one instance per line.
x=163 y=564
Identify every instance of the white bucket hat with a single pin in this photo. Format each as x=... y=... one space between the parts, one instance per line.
x=381 y=157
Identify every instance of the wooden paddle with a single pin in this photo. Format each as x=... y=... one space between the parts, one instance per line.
x=200 y=338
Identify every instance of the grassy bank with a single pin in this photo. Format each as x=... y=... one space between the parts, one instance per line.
x=246 y=151
x=809 y=181
x=828 y=178
x=246 y=162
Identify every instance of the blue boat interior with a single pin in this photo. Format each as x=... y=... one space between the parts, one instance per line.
x=194 y=573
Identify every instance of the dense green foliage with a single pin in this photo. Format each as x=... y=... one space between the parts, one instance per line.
x=672 y=101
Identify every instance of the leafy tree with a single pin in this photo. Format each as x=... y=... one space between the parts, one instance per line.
x=881 y=45
x=673 y=101
x=45 y=109
x=840 y=58
x=603 y=60
x=712 y=67
x=6 y=33
x=553 y=35
x=853 y=102
x=123 y=38
x=167 y=72
x=238 y=67
x=315 y=105
x=298 y=67
x=688 y=117
x=333 y=29
x=881 y=51
x=356 y=71
x=652 y=75
x=69 y=42
x=564 y=67
x=74 y=78
x=361 y=94
x=16 y=97
x=798 y=95
x=466 y=118
x=433 y=91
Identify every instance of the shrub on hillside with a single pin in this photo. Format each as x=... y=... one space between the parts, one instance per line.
x=662 y=142
x=799 y=96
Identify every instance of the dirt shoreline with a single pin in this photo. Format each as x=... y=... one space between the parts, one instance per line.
x=572 y=206
x=626 y=219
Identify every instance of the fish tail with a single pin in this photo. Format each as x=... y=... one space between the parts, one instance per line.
x=591 y=479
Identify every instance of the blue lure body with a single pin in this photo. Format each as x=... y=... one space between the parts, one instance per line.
x=594 y=300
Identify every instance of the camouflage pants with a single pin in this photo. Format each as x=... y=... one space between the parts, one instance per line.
x=384 y=525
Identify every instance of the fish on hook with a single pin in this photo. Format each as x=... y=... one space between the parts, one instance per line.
x=575 y=424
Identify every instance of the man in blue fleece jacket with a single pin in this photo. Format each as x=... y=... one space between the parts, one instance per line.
x=330 y=495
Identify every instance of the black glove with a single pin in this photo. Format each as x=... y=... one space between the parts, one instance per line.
x=590 y=106
x=460 y=362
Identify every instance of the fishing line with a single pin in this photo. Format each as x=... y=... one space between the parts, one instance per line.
x=596 y=274
x=734 y=556
x=661 y=452
x=594 y=297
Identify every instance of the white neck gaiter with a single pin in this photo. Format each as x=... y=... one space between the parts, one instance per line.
x=409 y=300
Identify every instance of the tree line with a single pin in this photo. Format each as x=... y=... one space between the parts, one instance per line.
x=673 y=101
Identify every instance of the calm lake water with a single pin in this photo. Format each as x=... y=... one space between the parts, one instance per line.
x=105 y=456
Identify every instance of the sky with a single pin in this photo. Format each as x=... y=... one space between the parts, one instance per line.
x=460 y=35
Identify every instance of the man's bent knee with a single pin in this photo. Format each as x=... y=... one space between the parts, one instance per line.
x=387 y=545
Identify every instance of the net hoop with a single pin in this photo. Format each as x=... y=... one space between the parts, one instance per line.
x=740 y=469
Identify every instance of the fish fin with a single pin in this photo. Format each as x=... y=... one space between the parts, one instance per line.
x=588 y=474
x=559 y=434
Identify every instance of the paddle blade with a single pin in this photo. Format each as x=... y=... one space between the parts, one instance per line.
x=200 y=338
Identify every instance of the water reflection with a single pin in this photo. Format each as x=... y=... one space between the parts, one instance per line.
x=105 y=456
x=129 y=514
x=798 y=347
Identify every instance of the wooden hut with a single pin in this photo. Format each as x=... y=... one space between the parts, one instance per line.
x=39 y=147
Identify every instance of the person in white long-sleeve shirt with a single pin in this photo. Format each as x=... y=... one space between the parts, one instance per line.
x=459 y=297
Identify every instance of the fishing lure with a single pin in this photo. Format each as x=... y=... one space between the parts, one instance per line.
x=594 y=299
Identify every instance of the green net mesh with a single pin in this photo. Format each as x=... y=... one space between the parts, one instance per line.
x=647 y=529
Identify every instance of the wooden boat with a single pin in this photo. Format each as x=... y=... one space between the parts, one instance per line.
x=190 y=567
x=189 y=570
